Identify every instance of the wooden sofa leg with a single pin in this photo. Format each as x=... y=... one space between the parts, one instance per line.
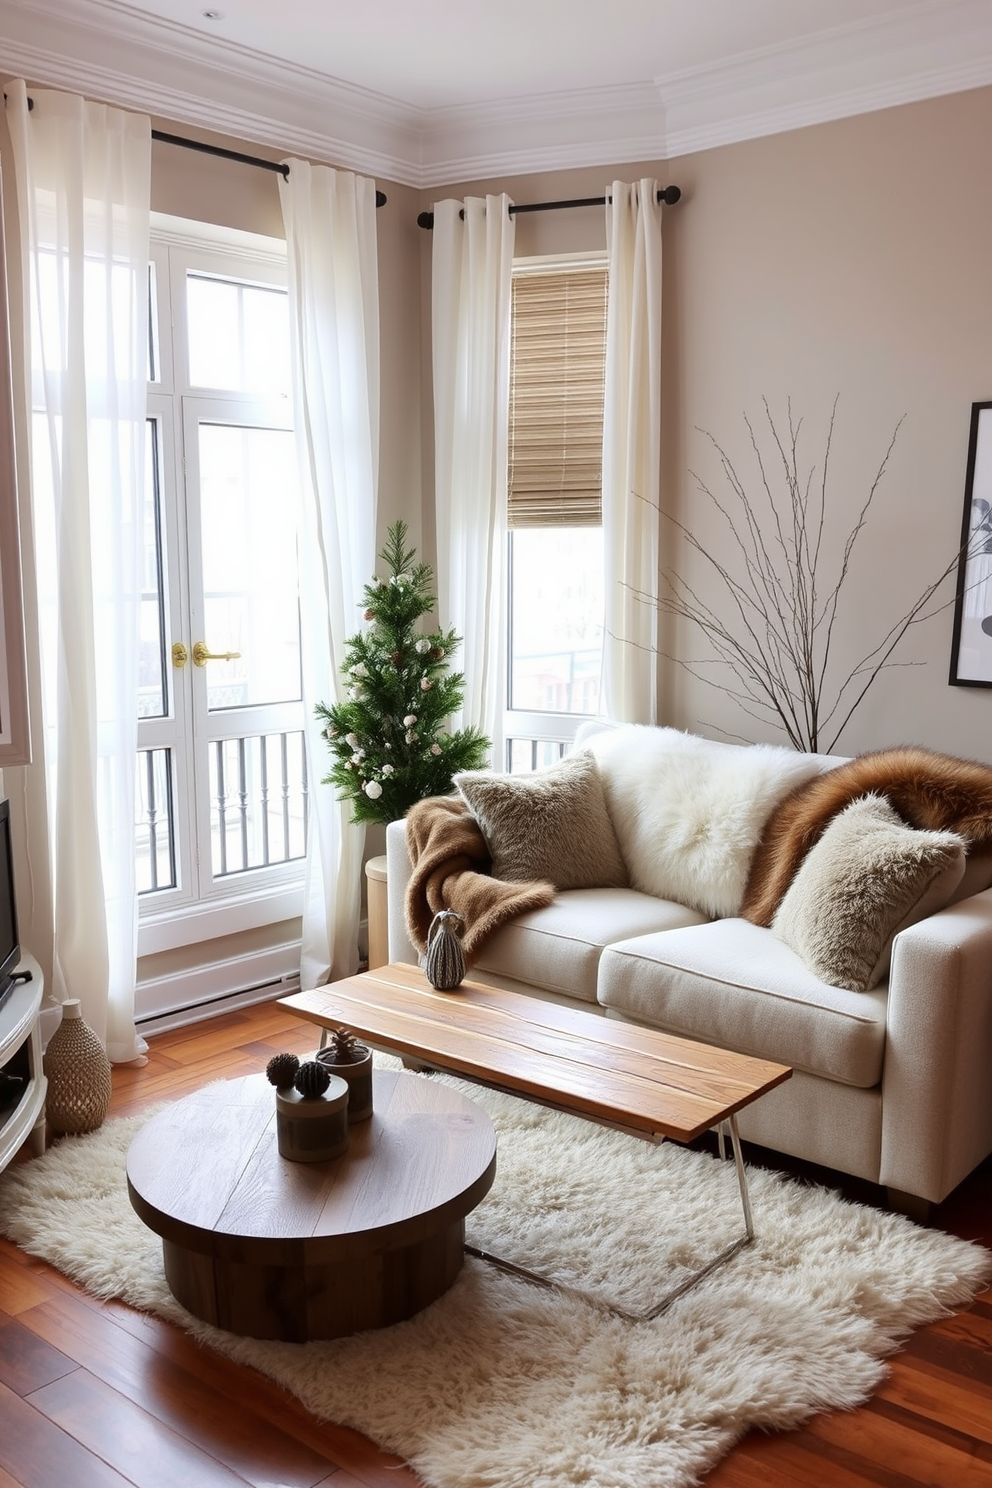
x=909 y=1204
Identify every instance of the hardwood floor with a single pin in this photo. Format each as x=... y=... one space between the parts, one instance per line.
x=95 y=1394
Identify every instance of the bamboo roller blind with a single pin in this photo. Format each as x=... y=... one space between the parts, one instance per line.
x=558 y=358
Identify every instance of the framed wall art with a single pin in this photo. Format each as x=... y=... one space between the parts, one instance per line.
x=971 y=647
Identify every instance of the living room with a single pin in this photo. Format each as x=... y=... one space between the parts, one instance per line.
x=833 y=249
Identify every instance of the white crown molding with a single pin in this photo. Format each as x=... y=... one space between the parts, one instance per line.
x=555 y=131
x=106 y=50
x=937 y=48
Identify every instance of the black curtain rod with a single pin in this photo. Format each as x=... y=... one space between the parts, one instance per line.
x=188 y=144
x=270 y=165
x=668 y=194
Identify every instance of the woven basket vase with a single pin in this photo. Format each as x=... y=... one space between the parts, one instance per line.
x=445 y=962
x=78 y=1072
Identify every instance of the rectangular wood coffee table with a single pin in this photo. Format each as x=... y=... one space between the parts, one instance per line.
x=635 y=1079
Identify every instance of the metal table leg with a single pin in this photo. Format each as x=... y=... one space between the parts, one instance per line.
x=686 y=1286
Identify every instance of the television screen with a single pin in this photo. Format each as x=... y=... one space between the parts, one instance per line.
x=10 y=950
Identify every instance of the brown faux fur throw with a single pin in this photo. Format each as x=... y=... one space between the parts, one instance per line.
x=450 y=871
x=930 y=791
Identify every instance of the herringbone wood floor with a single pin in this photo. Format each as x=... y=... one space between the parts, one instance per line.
x=93 y=1394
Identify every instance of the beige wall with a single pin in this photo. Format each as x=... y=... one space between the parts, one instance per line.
x=850 y=259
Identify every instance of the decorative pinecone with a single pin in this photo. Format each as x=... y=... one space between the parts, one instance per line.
x=344 y=1047
x=281 y=1070
x=312 y=1079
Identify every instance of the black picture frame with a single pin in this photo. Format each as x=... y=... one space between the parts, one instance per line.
x=971 y=644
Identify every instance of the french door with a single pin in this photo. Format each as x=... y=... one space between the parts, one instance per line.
x=222 y=783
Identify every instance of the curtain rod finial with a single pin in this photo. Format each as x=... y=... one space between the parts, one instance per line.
x=426 y=219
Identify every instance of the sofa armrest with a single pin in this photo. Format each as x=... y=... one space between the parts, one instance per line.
x=398 y=871
x=936 y=1091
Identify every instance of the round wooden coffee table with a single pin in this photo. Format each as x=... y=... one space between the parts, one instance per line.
x=275 y=1249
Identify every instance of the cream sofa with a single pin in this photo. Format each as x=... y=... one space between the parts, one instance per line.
x=890 y=1085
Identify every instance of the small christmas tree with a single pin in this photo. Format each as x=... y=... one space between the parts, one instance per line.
x=388 y=742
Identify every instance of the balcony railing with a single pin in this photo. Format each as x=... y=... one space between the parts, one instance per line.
x=258 y=808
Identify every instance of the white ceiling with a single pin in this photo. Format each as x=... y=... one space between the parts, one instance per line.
x=434 y=91
x=435 y=53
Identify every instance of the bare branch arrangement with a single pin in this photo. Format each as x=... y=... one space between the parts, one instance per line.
x=774 y=625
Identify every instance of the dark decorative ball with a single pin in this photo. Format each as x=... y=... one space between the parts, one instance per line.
x=281 y=1070
x=312 y=1079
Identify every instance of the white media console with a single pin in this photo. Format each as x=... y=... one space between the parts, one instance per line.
x=20 y=1056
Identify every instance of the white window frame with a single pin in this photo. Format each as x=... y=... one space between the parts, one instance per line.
x=170 y=919
x=539 y=728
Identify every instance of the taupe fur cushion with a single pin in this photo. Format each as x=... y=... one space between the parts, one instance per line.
x=868 y=877
x=550 y=825
x=930 y=791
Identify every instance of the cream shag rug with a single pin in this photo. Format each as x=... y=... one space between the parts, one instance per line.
x=502 y=1384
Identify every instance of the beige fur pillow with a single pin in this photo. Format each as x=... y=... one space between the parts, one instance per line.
x=551 y=825
x=868 y=877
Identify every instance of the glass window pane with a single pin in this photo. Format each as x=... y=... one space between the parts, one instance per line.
x=525 y=755
x=556 y=619
x=151 y=649
x=111 y=301
x=154 y=361
x=238 y=336
x=250 y=589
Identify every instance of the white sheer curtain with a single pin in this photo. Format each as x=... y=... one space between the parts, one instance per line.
x=83 y=174
x=632 y=452
x=334 y=309
x=471 y=279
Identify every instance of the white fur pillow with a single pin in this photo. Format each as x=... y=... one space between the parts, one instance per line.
x=688 y=812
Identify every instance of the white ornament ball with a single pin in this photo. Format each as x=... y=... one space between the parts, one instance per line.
x=409 y=720
x=372 y=789
x=387 y=769
x=423 y=646
x=435 y=749
x=351 y=740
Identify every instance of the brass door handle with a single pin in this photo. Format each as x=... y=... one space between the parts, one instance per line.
x=201 y=655
x=180 y=656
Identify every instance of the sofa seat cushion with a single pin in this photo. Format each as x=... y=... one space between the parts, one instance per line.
x=558 y=948
x=734 y=984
